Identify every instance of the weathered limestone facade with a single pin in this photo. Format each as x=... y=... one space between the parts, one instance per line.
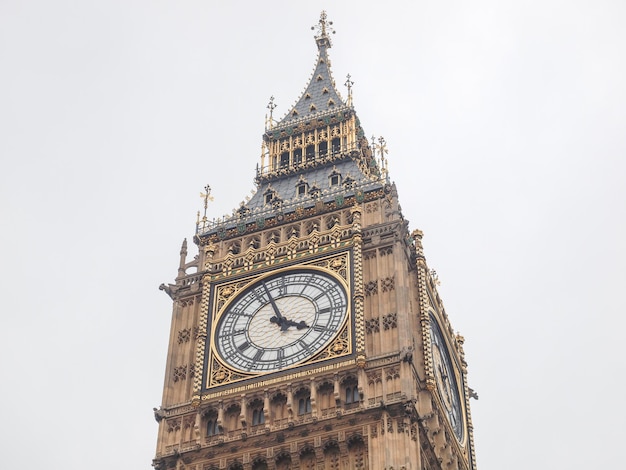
x=388 y=390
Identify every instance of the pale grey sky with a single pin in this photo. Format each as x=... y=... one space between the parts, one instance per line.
x=505 y=123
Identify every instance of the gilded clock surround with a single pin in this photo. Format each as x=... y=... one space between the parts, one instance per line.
x=217 y=373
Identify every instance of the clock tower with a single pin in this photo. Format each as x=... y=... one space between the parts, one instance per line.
x=308 y=332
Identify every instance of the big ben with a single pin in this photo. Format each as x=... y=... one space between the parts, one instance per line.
x=308 y=332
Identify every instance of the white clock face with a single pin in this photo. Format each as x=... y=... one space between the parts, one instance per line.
x=446 y=380
x=281 y=320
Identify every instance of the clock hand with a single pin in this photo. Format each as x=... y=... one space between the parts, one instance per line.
x=299 y=325
x=302 y=324
x=280 y=320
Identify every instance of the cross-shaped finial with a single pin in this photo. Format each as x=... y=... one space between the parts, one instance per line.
x=323 y=23
x=271 y=106
x=269 y=122
x=207 y=197
x=349 y=84
x=382 y=150
x=323 y=28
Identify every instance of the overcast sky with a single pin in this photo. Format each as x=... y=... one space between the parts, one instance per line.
x=505 y=123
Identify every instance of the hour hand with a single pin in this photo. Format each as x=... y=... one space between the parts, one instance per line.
x=299 y=325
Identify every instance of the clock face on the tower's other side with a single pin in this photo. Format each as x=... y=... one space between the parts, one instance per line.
x=445 y=378
x=280 y=320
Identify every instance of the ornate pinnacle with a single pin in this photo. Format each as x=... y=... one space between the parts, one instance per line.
x=323 y=27
x=382 y=151
x=269 y=122
x=349 y=84
x=207 y=197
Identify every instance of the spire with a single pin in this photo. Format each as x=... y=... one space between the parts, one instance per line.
x=183 y=258
x=320 y=97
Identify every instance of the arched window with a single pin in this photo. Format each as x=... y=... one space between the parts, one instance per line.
x=212 y=429
x=258 y=417
x=304 y=405
x=350 y=387
x=352 y=394
x=323 y=148
x=297 y=156
x=256 y=412
x=303 y=396
x=310 y=153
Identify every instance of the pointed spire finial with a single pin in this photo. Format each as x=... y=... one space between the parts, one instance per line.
x=349 y=84
x=382 y=151
x=207 y=197
x=269 y=122
x=323 y=28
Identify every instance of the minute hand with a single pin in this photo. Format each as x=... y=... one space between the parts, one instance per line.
x=274 y=306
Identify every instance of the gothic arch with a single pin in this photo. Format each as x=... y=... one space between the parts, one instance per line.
x=307 y=458
x=350 y=390
x=332 y=454
x=259 y=463
x=326 y=396
x=283 y=461
x=357 y=454
x=278 y=408
x=302 y=399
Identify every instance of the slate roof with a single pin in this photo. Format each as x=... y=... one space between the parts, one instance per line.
x=286 y=187
x=320 y=96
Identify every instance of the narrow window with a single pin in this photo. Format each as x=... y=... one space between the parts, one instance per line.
x=297 y=156
x=304 y=405
x=212 y=429
x=352 y=394
x=323 y=149
x=310 y=152
x=258 y=417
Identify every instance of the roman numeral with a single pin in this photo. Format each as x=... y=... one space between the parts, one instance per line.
x=258 y=355
x=243 y=346
x=304 y=346
x=281 y=357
